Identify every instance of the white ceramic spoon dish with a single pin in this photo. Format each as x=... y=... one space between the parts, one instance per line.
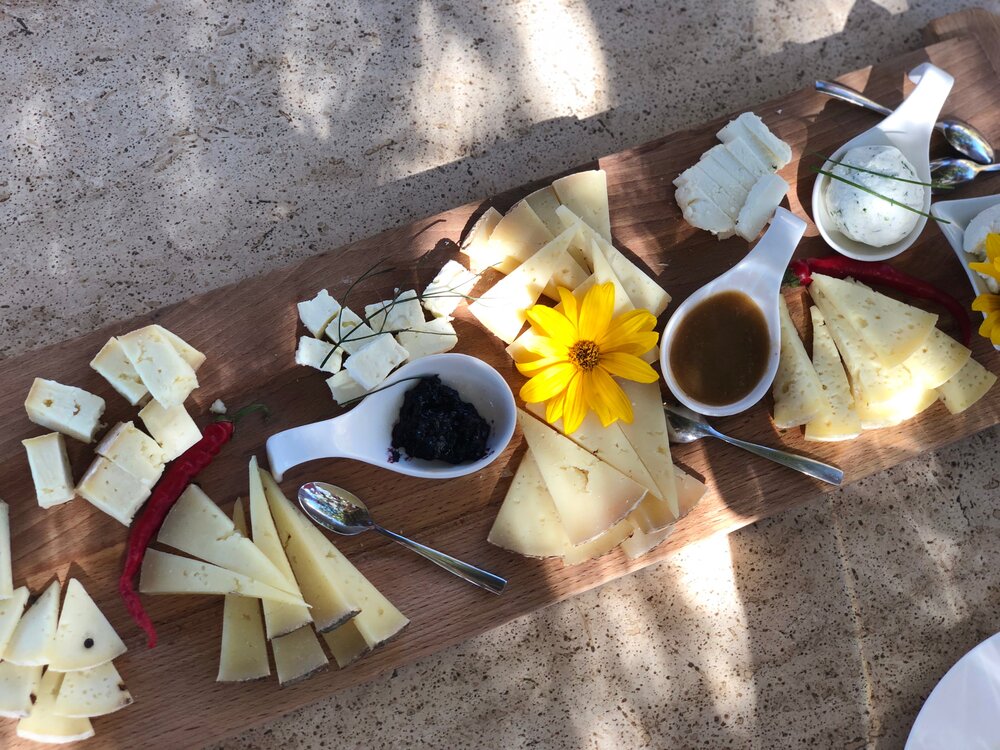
x=909 y=129
x=759 y=276
x=365 y=432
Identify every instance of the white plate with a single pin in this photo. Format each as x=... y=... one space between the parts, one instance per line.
x=963 y=711
x=960 y=213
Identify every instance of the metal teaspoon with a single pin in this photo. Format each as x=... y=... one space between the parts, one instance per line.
x=952 y=171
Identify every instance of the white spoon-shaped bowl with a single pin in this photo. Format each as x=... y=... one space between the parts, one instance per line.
x=365 y=432
x=759 y=276
x=909 y=129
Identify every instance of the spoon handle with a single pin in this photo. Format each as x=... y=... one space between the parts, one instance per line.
x=476 y=576
x=808 y=466
x=847 y=94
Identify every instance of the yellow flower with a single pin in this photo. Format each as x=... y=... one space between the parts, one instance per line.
x=991 y=266
x=990 y=305
x=576 y=353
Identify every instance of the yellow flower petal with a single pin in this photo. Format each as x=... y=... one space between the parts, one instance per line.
x=570 y=307
x=575 y=408
x=615 y=401
x=988 y=269
x=553 y=324
x=596 y=311
x=554 y=408
x=548 y=383
x=639 y=344
x=986 y=303
x=993 y=246
x=597 y=403
x=533 y=368
x=624 y=330
x=544 y=346
x=990 y=325
x=628 y=366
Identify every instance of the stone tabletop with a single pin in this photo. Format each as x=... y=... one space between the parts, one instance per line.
x=152 y=150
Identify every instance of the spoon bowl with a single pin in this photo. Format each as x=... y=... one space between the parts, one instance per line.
x=954 y=172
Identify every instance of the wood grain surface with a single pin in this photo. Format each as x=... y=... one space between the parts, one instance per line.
x=249 y=332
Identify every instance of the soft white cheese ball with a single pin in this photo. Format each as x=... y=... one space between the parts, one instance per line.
x=988 y=222
x=867 y=218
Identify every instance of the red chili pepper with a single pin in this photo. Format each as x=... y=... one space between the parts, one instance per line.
x=882 y=273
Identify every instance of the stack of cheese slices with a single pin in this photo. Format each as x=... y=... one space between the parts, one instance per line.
x=284 y=567
x=876 y=362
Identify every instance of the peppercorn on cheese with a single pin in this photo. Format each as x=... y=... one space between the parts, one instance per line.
x=169 y=376
x=31 y=640
x=50 y=469
x=297 y=655
x=87 y=693
x=798 y=393
x=11 y=609
x=111 y=489
x=969 y=385
x=65 y=408
x=18 y=686
x=42 y=724
x=84 y=638
x=838 y=419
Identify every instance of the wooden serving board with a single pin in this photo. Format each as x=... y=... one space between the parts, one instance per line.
x=249 y=332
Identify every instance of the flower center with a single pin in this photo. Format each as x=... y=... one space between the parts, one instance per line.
x=585 y=354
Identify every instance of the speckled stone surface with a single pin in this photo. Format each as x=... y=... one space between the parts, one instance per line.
x=152 y=150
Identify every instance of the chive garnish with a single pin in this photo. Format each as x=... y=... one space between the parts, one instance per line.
x=845 y=165
x=886 y=198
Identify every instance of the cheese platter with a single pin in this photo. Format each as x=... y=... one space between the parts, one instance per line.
x=617 y=230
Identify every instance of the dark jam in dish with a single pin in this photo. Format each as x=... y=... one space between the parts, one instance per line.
x=437 y=425
x=720 y=349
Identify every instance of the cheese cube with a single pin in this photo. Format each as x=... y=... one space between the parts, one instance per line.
x=451 y=285
x=188 y=353
x=133 y=450
x=111 y=489
x=173 y=429
x=317 y=313
x=65 y=408
x=167 y=375
x=753 y=130
x=344 y=388
x=372 y=364
x=434 y=337
x=395 y=314
x=764 y=198
x=113 y=366
x=50 y=470
x=313 y=352
x=349 y=332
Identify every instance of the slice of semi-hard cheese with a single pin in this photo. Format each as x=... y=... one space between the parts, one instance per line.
x=279 y=618
x=476 y=242
x=937 y=360
x=297 y=655
x=112 y=364
x=765 y=196
x=111 y=489
x=173 y=428
x=50 y=469
x=316 y=313
x=133 y=450
x=603 y=274
x=516 y=237
x=599 y=546
x=18 y=686
x=244 y=647
x=689 y=492
x=586 y=195
x=798 y=394
x=893 y=330
x=904 y=405
x=167 y=375
x=346 y=644
x=30 y=644
x=165 y=573
x=647 y=432
x=84 y=638
x=11 y=610
x=838 y=420
x=42 y=724
x=450 y=287
x=967 y=387
x=590 y=495
x=86 y=693
x=6 y=569
x=65 y=408
x=544 y=203
x=197 y=526
x=641 y=542
x=528 y=522
x=188 y=353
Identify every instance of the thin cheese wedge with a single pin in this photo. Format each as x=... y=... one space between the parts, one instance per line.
x=112 y=364
x=838 y=420
x=11 y=610
x=598 y=547
x=18 y=686
x=87 y=693
x=590 y=495
x=603 y=274
x=647 y=432
x=689 y=493
x=42 y=724
x=297 y=655
x=904 y=405
x=798 y=394
x=893 y=330
x=641 y=542
x=528 y=522
x=544 y=203
x=970 y=384
x=6 y=571
x=84 y=638
x=243 y=655
x=937 y=360
x=30 y=644
x=346 y=644
x=517 y=237
x=476 y=241
x=586 y=195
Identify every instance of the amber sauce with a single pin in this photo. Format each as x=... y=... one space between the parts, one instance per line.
x=720 y=349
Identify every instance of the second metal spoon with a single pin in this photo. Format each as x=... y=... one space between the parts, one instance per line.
x=952 y=171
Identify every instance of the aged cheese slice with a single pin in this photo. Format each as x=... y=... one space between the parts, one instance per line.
x=134 y=451
x=476 y=242
x=50 y=469
x=893 y=330
x=6 y=570
x=517 y=237
x=346 y=644
x=590 y=495
x=279 y=618
x=65 y=408
x=297 y=655
x=568 y=274
x=197 y=526
x=544 y=203
x=243 y=655
x=18 y=686
x=173 y=428
x=11 y=610
x=42 y=724
x=798 y=394
x=586 y=195
x=762 y=201
x=641 y=542
x=166 y=573
x=647 y=432
x=528 y=522
x=937 y=360
x=87 y=693
x=838 y=419
x=111 y=489
x=167 y=375
x=689 y=492
x=112 y=364
x=317 y=312
x=29 y=645
x=599 y=546
x=970 y=384
x=84 y=638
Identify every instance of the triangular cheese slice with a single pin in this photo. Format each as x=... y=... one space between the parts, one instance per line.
x=198 y=527
x=689 y=492
x=84 y=638
x=937 y=360
x=647 y=432
x=42 y=725
x=528 y=522
x=838 y=420
x=18 y=686
x=346 y=644
x=243 y=655
x=92 y=692
x=590 y=495
x=164 y=573
x=6 y=572
x=279 y=619
x=603 y=274
x=798 y=394
x=544 y=203
x=517 y=236
x=297 y=655
x=893 y=330
x=906 y=404
x=476 y=242
x=969 y=385
x=11 y=610
x=599 y=546
x=29 y=645
x=586 y=195
x=641 y=542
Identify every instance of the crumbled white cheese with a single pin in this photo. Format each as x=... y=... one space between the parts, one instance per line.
x=217 y=407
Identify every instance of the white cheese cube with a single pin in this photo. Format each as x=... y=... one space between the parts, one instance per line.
x=312 y=353
x=435 y=337
x=395 y=314
x=750 y=127
x=344 y=388
x=50 y=469
x=373 y=363
x=113 y=366
x=348 y=332
x=451 y=285
x=111 y=489
x=188 y=353
x=65 y=408
x=167 y=375
x=765 y=196
x=133 y=450
x=317 y=313
x=172 y=428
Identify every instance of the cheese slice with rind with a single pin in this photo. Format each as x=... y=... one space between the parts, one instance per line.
x=18 y=686
x=476 y=241
x=346 y=644
x=87 y=693
x=798 y=394
x=937 y=360
x=29 y=645
x=893 y=330
x=84 y=638
x=689 y=493
x=43 y=725
x=838 y=420
x=528 y=522
x=297 y=655
x=516 y=237
x=590 y=495
x=647 y=432
x=11 y=610
x=598 y=547
x=971 y=383
x=586 y=195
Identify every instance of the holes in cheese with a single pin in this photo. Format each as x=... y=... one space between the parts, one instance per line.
x=18 y=686
x=11 y=610
x=969 y=385
x=838 y=419
x=50 y=470
x=168 y=376
x=65 y=408
x=84 y=638
x=29 y=644
x=798 y=394
x=297 y=655
x=92 y=692
x=42 y=724
x=516 y=237
x=937 y=360
x=112 y=364
x=586 y=195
